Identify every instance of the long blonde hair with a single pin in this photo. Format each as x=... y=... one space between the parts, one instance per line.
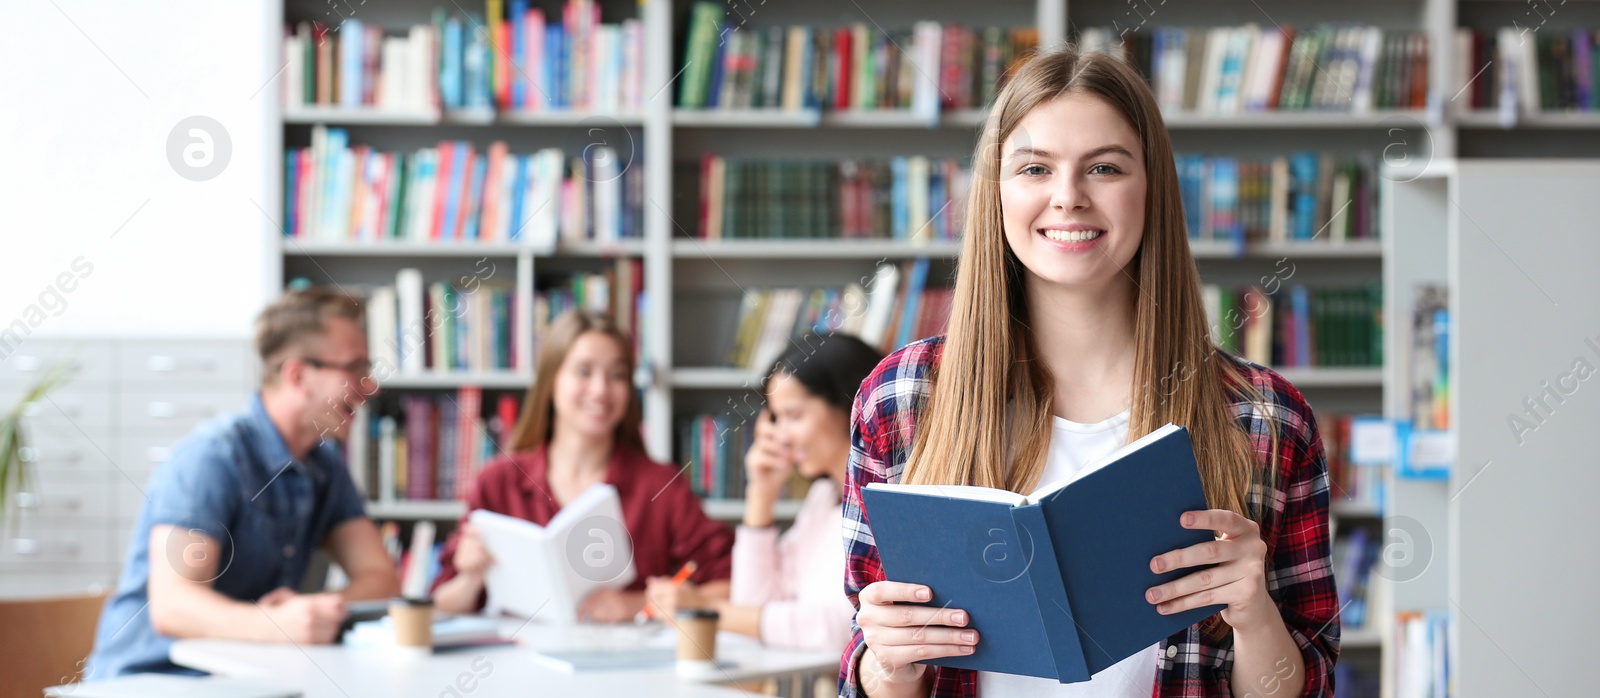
x=535 y=424
x=1179 y=375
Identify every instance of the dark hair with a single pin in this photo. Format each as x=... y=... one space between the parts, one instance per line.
x=830 y=366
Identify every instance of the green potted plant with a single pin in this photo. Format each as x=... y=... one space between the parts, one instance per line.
x=14 y=475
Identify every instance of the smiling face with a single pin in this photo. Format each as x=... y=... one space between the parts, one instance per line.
x=817 y=434
x=592 y=387
x=1072 y=192
x=335 y=389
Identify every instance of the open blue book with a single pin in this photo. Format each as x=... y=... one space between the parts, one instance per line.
x=1053 y=581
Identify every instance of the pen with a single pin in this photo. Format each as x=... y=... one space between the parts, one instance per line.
x=677 y=581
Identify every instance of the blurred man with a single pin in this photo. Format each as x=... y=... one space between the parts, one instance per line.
x=232 y=518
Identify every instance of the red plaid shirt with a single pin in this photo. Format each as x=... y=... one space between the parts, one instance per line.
x=1295 y=528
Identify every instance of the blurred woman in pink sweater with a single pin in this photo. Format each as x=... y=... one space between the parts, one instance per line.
x=787 y=589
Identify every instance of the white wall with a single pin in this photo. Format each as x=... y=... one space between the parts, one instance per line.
x=89 y=93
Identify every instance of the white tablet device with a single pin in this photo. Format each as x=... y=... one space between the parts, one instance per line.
x=548 y=570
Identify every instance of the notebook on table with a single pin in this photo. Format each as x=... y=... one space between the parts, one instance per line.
x=1053 y=581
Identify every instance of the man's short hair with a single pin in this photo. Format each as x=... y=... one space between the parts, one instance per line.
x=296 y=321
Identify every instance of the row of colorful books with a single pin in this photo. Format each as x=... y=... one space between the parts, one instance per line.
x=1297 y=326
x=860 y=66
x=516 y=60
x=1353 y=557
x=900 y=198
x=711 y=450
x=1299 y=196
x=427 y=446
x=454 y=192
x=356 y=65
x=895 y=307
x=1530 y=69
x=1253 y=68
x=475 y=324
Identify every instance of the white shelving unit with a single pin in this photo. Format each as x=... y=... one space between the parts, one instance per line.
x=1488 y=546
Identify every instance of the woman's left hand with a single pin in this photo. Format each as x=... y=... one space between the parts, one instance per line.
x=1239 y=578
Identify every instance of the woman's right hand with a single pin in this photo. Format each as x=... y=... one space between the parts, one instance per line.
x=898 y=635
x=472 y=556
x=767 y=466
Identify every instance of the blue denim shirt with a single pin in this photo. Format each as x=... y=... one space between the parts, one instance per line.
x=234 y=481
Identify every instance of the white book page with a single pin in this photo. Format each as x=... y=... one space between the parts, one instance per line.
x=1044 y=492
x=982 y=494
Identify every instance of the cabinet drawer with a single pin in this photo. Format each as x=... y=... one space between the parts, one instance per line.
x=28 y=580
x=90 y=361
x=179 y=411
x=67 y=463
x=87 y=542
x=72 y=406
x=223 y=363
x=53 y=499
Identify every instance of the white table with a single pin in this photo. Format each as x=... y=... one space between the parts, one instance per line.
x=334 y=671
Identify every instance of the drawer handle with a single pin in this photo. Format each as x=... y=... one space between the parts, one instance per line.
x=29 y=500
x=169 y=364
x=34 y=410
x=29 y=546
x=33 y=454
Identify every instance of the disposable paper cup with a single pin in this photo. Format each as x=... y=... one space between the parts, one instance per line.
x=413 y=621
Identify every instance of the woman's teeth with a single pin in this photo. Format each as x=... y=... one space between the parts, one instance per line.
x=1073 y=235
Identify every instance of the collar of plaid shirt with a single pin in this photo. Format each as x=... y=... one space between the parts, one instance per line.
x=1190 y=665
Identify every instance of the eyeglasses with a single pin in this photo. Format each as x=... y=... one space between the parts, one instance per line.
x=360 y=368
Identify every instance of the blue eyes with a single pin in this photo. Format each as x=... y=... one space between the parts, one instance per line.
x=1040 y=171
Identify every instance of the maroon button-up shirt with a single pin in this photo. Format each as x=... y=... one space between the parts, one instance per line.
x=665 y=520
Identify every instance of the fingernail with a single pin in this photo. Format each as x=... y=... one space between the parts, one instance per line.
x=1159 y=564
x=959 y=618
x=922 y=594
x=966 y=649
x=969 y=637
x=1155 y=595
x=1188 y=519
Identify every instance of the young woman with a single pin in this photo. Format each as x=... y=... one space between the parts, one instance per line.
x=580 y=427
x=786 y=588
x=1077 y=326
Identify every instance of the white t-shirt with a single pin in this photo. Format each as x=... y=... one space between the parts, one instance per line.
x=1072 y=445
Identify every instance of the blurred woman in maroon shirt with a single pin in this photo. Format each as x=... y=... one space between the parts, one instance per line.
x=580 y=427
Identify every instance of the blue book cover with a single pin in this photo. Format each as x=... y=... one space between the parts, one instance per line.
x=450 y=65
x=1054 y=581
x=714 y=87
x=291 y=222
x=1302 y=195
x=475 y=69
x=519 y=186
x=915 y=281
x=474 y=203
x=1191 y=169
x=452 y=190
x=350 y=54
x=555 y=46
x=519 y=43
x=1300 y=301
